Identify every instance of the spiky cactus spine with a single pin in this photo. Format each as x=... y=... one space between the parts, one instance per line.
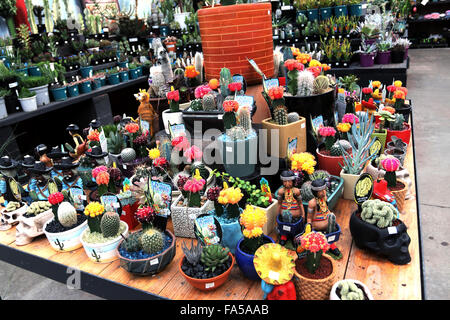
x=280 y=115
x=305 y=83
x=208 y=102
x=293 y=117
x=236 y=133
x=110 y=224
x=335 y=150
x=321 y=84
x=245 y=119
x=152 y=241
x=225 y=80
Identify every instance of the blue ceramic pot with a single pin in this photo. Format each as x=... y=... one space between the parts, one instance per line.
x=231 y=232
x=103 y=81
x=59 y=94
x=313 y=14
x=73 y=91
x=289 y=230
x=23 y=72
x=245 y=260
x=114 y=79
x=85 y=87
x=340 y=11
x=96 y=84
x=355 y=10
x=123 y=64
x=139 y=70
x=85 y=72
x=134 y=73
x=124 y=76
x=325 y=13
x=34 y=71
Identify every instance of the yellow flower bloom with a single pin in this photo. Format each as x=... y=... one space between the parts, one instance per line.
x=315 y=63
x=153 y=153
x=376 y=84
x=303 y=161
x=230 y=196
x=344 y=127
x=253 y=219
x=94 y=209
x=398 y=83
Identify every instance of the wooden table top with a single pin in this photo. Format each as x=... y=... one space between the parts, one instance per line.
x=385 y=280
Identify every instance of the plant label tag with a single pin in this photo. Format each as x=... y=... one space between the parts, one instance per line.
x=220 y=117
x=392 y=230
x=286 y=228
x=229 y=149
x=133 y=40
x=274 y=275
x=154 y=261
x=83 y=197
x=124 y=166
x=286 y=8
x=424 y=2
x=116 y=205
x=329 y=239
x=209 y=285
x=13 y=85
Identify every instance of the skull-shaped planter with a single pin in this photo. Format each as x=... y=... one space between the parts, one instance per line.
x=391 y=242
x=30 y=228
x=11 y=218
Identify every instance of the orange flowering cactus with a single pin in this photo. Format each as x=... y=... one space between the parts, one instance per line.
x=190 y=72
x=214 y=84
x=315 y=244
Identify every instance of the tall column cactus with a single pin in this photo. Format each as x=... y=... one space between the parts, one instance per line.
x=225 y=80
x=280 y=115
x=33 y=26
x=48 y=17
x=245 y=119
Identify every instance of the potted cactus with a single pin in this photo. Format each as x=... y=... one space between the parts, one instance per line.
x=238 y=145
x=350 y=289
x=396 y=186
x=384 y=117
x=173 y=115
x=378 y=229
x=206 y=268
x=104 y=234
x=64 y=230
x=288 y=126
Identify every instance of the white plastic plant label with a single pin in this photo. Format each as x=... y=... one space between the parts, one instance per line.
x=220 y=117
x=209 y=285
x=286 y=228
x=229 y=149
x=83 y=197
x=13 y=85
x=116 y=205
x=124 y=166
x=274 y=275
x=392 y=230
x=154 y=261
x=329 y=239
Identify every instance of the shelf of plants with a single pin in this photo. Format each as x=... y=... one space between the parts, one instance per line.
x=336 y=218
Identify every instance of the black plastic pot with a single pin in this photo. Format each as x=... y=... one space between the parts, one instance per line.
x=12 y=104
x=311 y=107
x=397 y=56
x=405 y=111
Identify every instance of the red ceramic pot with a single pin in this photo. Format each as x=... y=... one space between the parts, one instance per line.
x=330 y=163
x=128 y=217
x=405 y=135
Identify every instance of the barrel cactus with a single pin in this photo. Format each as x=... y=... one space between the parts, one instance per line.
x=305 y=83
x=321 y=84
x=110 y=224
x=378 y=213
x=245 y=119
x=306 y=191
x=152 y=241
x=196 y=105
x=280 y=115
x=236 y=133
x=67 y=214
x=209 y=102
x=128 y=155
x=293 y=117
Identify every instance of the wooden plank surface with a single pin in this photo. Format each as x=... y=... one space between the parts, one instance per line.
x=384 y=279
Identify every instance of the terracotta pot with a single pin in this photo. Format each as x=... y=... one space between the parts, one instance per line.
x=330 y=163
x=400 y=195
x=207 y=284
x=334 y=296
x=349 y=184
x=285 y=133
x=315 y=289
x=405 y=135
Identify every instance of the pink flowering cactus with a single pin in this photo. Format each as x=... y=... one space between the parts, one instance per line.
x=350 y=118
x=327 y=131
x=390 y=164
x=202 y=90
x=194 y=185
x=180 y=143
x=193 y=154
x=97 y=170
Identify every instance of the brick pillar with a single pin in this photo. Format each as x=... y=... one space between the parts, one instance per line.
x=231 y=34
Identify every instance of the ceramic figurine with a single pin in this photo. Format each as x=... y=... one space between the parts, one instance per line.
x=320 y=218
x=69 y=174
x=10 y=189
x=41 y=153
x=27 y=163
x=97 y=156
x=56 y=154
x=41 y=184
x=80 y=144
x=291 y=212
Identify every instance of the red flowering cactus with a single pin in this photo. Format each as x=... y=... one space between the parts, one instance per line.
x=193 y=186
x=201 y=91
x=276 y=93
x=328 y=133
x=132 y=127
x=97 y=170
x=173 y=95
x=55 y=198
x=391 y=165
x=315 y=243
x=145 y=216
x=292 y=64
x=369 y=104
x=366 y=93
x=315 y=70
x=230 y=106
x=235 y=86
x=160 y=162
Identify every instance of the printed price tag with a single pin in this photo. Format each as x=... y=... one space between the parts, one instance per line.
x=133 y=40
x=424 y=2
x=220 y=116
x=286 y=8
x=209 y=285
x=124 y=166
x=329 y=239
x=154 y=261
x=392 y=230
x=274 y=275
x=229 y=149
x=286 y=228
x=13 y=85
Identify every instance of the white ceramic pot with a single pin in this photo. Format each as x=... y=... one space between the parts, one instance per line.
x=103 y=252
x=3 y=113
x=334 y=296
x=172 y=117
x=180 y=17
x=183 y=218
x=28 y=104
x=42 y=95
x=66 y=241
x=271 y=214
x=349 y=184
x=30 y=228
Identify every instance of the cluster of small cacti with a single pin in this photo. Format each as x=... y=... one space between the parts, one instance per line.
x=236 y=133
x=12 y=206
x=152 y=241
x=349 y=291
x=225 y=80
x=196 y=105
x=110 y=224
x=397 y=124
x=305 y=83
x=67 y=214
x=319 y=174
x=214 y=255
x=38 y=207
x=321 y=84
x=209 y=102
x=280 y=115
x=379 y=213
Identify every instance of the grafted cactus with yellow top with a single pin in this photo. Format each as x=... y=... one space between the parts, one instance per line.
x=304 y=161
x=230 y=198
x=94 y=211
x=253 y=220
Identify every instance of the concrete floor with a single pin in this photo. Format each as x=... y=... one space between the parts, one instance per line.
x=428 y=88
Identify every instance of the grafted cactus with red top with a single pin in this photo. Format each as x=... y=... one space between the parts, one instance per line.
x=315 y=244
